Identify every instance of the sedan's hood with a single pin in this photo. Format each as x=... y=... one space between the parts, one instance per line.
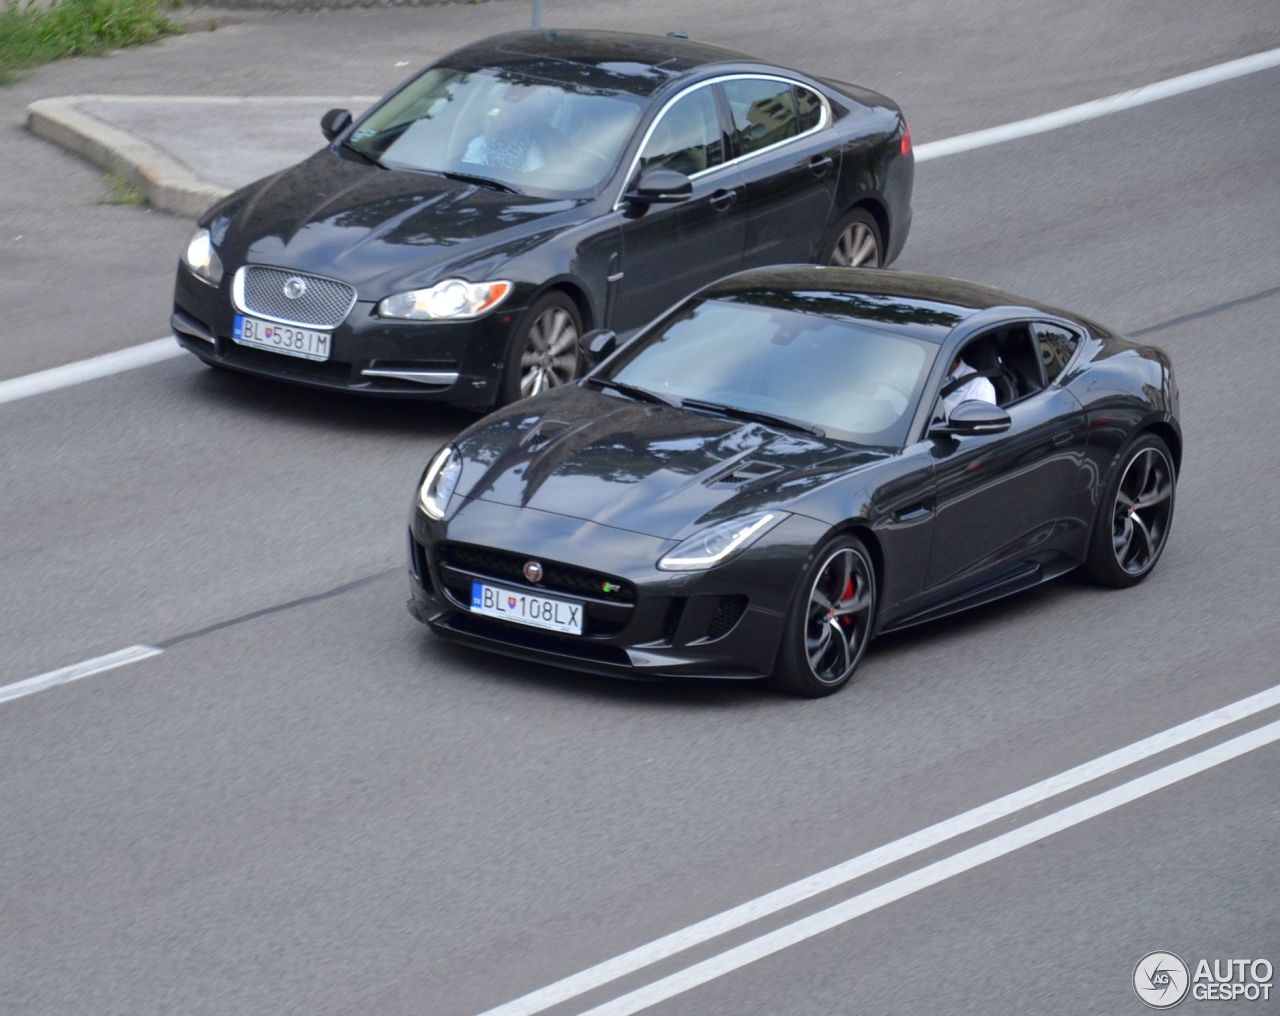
x=378 y=229
x=648 y=469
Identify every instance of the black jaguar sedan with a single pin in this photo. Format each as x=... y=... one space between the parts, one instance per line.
x=455 y=241
x=786 y=464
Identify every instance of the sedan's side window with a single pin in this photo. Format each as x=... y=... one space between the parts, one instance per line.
x=1056 y=346
x=764 y=112
x=688 y=137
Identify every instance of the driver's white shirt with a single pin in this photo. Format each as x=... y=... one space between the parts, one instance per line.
x=979 y=388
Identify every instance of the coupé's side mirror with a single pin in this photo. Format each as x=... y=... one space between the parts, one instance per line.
x=334 y=123
x=973 y=417
x=596 y=346
x=660 y=187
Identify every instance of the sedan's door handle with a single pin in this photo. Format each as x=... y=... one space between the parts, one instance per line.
x=913 y=513
x=723 y=200
x=819 y=165
x=1062 y=439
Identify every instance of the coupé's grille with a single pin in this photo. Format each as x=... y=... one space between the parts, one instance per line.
x=323 y=303
x=501 y=564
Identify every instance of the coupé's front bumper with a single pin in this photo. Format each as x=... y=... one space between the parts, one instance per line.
x=724 y=622
x=457 y=362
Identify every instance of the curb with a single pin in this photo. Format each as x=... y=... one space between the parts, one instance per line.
x=169 y=184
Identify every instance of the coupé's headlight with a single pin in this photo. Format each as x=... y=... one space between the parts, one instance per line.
x=720 y=542
x=202 y=259
x=439 y=482
x=450 y=300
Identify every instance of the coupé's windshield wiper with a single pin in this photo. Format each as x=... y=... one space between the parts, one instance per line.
x=756 y=416
x=364 y=155
x=635 y=392
x=482 y=181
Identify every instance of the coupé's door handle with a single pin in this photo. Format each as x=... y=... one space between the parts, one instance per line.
x=1064 y=438
x=913 y=513
x=723 y=200
x=819 y=165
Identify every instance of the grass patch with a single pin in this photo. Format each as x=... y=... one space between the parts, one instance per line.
x=34 y=32
x=120 y=191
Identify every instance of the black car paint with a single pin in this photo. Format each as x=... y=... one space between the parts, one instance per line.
x=585 y=477
x=387 y=231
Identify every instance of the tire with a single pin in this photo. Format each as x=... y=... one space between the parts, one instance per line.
x=553 y=318
x=807 y=666
x=846 y=244
x=1134 y=516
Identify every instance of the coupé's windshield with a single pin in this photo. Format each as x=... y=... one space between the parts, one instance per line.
x=788 y=355
x=522 y=133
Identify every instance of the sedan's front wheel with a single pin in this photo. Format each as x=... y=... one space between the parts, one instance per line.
x=830 y=622
x=544 y=350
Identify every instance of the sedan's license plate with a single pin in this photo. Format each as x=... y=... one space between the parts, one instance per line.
x=281 y=338
x=520 y=607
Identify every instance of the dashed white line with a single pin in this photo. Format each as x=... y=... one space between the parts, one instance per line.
x=932 y=874
x=162 y=349
x=77 y=671
x=780 y=899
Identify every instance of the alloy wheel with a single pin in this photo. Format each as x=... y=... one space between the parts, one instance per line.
x=550 y=357
x=856 y=247
x=838 y=616
x=1144 y=504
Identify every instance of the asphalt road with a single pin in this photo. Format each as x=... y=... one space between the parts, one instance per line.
x=319 y=809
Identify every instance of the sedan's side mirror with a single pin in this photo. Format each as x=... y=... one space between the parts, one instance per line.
x=334 y=123
x=597 y=346
x=660 y=187
x=973 y=417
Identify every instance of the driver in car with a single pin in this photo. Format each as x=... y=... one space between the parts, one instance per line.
x=977 y=388
x=508 y=140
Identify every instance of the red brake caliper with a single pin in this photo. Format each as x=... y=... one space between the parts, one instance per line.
x=847 y=594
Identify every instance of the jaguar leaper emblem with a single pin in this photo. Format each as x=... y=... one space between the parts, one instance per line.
x=294 y=287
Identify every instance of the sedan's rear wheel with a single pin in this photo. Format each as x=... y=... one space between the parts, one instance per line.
x=544 y=351
x=856 y=242
x=1132 y=526
x=830 y=622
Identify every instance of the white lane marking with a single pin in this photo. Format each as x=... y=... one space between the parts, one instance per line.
x=76 y=671
x=79 y=371
x=1099 y=107
x=863 y=864
x=932 y=874
x=148 y=352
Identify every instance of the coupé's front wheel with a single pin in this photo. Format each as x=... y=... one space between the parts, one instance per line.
x=1132 y=525
x=830 y=623
x=544 y=350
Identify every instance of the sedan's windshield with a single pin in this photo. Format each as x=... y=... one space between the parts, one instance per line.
x=521 y=133
x=788 y=355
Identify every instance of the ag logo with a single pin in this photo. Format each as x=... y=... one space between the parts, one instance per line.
x=1161 y=980
x=294 y=287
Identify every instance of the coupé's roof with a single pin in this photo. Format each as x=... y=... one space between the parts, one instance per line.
x=926 y=306
x=618 y=61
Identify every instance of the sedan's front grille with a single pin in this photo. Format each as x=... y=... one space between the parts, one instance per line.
x=294 y=297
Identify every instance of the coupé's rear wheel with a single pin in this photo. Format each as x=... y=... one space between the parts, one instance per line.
x=1133 y=520
x=544 y=351
x=855 y=242
x=830 y=623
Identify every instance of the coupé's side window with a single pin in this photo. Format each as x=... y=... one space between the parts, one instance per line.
x=764 y=112
x=687 y=138
x=1056 y=345
x=808 y=108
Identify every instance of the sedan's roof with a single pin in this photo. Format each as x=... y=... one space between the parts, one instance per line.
x=617 y=61
x=926 y=306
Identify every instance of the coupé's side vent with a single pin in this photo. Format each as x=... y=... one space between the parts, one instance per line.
x=747 y=472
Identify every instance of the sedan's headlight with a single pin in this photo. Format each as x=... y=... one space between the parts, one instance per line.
x=450 y=300
x=720 y=542
x=202 y=259
x=439 y=481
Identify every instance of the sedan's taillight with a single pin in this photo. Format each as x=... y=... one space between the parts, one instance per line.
x=906 y=138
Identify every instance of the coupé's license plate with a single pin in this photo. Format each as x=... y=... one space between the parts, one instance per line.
x=535 y=611
x=281 y=338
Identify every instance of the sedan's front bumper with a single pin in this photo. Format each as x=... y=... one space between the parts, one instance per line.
x=457 y=362
x=724 y=623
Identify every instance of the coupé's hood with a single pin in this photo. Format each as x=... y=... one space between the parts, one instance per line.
x=376 y=228
x=645 y=468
